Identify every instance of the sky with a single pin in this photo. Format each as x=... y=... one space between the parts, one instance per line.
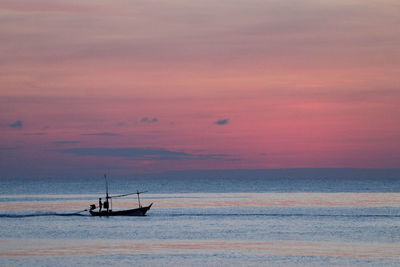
x=151 y=86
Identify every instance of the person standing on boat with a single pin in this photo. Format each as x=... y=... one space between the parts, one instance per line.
x=100 y=205
x=106 y=206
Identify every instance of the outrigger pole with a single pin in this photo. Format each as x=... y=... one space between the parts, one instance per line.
x=108 y=197
x=138 y=193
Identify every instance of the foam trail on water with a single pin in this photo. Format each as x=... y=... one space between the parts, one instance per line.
x=79 y=213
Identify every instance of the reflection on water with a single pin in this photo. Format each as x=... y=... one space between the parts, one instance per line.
x=193 y=228
x=47 y=248
x=78 y=202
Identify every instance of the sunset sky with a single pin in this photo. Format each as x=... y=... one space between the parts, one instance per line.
x=150 y=86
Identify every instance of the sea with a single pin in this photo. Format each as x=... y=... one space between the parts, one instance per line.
x=238 y=221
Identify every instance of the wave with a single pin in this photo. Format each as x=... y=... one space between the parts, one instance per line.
x=281 y=215
x=79 y=213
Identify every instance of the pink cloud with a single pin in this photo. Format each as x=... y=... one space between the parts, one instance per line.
x=307 y=83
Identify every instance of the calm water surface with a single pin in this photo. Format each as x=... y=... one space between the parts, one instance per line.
x=216 y=222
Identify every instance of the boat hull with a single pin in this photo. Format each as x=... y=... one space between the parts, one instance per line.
x=132 y=212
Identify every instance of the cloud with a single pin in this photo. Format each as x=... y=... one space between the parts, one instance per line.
x=222 y=122
x=38 y=133
x=147 y=120
x=66 y=142
x=8 y=147
x=138 y=153
x=103 y=134
x=16 y=124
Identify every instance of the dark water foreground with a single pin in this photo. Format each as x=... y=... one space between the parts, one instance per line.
x=220 y=222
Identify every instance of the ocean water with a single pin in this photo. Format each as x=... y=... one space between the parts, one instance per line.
x=198 y=222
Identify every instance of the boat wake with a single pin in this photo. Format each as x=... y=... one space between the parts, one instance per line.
x=42 y=214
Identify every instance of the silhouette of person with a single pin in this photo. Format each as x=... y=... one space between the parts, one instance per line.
x=100 y=204
x=105 y=205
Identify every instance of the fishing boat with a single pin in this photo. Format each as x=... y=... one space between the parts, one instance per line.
x=108 y=211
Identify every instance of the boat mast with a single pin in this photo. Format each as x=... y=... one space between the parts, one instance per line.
x=137 y=192
x=107 y=197
x=138 y=198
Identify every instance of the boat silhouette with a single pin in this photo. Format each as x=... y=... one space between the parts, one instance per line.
x=108 y=211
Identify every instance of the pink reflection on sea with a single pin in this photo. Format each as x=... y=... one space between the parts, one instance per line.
x=51 y=248
x=205 y=200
